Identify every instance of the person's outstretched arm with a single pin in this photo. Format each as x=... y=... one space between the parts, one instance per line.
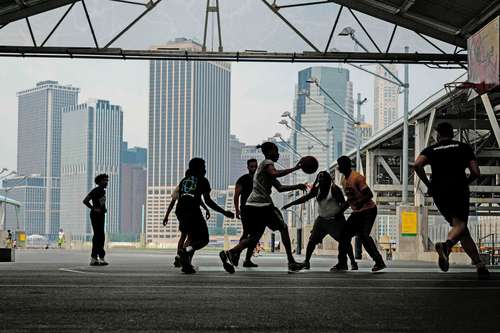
x=302 y=199
x=286 y=188
x=210 y=203
x=271 y=170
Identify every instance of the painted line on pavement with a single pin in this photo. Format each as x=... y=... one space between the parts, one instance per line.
x=332 y=276
x=154 y=288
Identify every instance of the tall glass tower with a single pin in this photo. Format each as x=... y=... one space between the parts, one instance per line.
x=330 y=127
x=39 y=147
x=189 y=116
x=92 y=139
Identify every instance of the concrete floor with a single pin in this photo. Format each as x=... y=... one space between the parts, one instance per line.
x=56 y=291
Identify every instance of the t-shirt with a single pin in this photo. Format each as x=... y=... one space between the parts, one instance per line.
x=191 y=188
x=353 y=185
x=262 y=186
x=448 y=160
x=246 y=183
x=98 y=196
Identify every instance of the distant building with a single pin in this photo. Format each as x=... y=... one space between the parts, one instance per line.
x=133 y=189
x=189 y=116
x=39 y=148
x=386 y=98
x=238 y=165
x=31 y=191
x=134 y=155
x=316 y=112
x=231 y=226
x=92 y=136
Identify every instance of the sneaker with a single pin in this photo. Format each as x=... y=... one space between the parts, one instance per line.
x=339 y=268
x=177 y=261
x=249 y=264
x=234 y=258
x=188 y=269
x=306 y=264
x=94 y=262
x=184 y=258
x=103 y=262
x=483 y=272
x=379 y=266
x=354 y=266
x=295 y=266
x=444 y=253
x=223 y=255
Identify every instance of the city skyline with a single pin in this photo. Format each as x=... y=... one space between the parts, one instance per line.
x=255 y=108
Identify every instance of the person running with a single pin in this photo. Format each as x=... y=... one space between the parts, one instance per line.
x=364 y=212
x=182 y=239
x=261 y=211
x=97 y=218
x=243 y=188
x=191 y=190
x=449 y=187
x=330 y=220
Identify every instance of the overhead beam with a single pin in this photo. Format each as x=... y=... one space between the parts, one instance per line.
x=483 y=18
x=389 y=171
x=170 y=54
x=30 y=10
x=405 y=6
x=407 y=20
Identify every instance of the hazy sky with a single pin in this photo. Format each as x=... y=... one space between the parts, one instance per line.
x=259 y=92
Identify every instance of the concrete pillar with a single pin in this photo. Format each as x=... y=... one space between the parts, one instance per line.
x=420 y=130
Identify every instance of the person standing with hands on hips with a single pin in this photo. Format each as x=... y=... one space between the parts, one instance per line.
x=97 y=218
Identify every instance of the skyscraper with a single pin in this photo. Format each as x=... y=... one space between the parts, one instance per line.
x=313 y=110
x=39 y=147
x=92 y=137
x=237 y=164
x=386 y=98
x=189 y=116
x=133 y=189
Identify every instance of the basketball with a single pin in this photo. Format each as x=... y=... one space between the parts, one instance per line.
x=309 y=164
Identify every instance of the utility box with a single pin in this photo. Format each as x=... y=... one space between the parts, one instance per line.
x=7 y=255
x=20 y=239
x=413 y=236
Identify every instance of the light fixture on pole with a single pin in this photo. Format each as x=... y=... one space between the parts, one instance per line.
x=348 y=31
x=289 y=116
x=359 y=103
x=9 y=174
x=289 y=147
x=285 y=123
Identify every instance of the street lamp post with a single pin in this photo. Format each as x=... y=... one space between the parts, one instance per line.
x=348 y=31
x=346 y=115
x=294 y=154
x=359 y=103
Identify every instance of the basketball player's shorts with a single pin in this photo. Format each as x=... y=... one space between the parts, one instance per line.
x=452 y=203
